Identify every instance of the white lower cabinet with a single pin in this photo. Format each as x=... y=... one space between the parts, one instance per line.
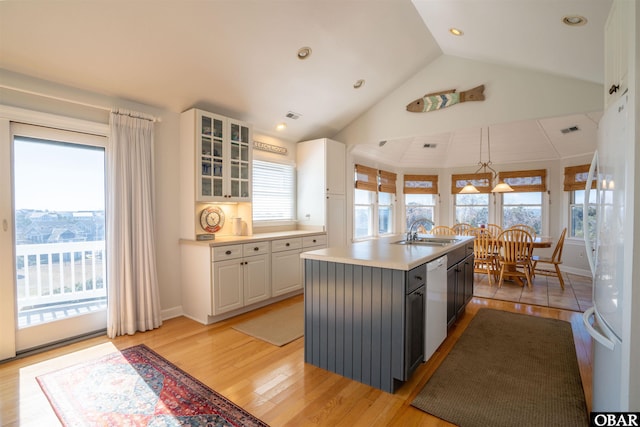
x=241 y=280
x=221 y=281
x=286 y=275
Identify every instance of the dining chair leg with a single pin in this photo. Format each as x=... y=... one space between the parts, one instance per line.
x=501 y=279
x=559 y=276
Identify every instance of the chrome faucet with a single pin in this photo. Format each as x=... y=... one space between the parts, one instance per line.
x=413 y=235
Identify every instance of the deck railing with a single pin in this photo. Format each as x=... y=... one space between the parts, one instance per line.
x=58 y=273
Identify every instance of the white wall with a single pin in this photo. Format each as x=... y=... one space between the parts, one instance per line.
x=512 y=94
x=166 y=164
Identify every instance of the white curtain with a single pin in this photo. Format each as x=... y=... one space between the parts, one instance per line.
x=134 y=302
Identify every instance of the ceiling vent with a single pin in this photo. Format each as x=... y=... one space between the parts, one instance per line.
x=292 y=115
x=429 y=145
x=570 y=129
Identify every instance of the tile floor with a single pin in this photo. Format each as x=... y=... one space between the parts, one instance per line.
x=546 y=291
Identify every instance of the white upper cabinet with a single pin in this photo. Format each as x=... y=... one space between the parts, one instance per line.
x=321 y=199
x=223 y=151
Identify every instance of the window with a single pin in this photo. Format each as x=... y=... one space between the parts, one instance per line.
x=522 y=208
x=385 y=213
x=420 y=206
x=273 y=191
x=524 y=205
x=420 y=197
x=472 y=208
x=374 y=196
x=575 y=179
x=576 y=211
x=363 y=209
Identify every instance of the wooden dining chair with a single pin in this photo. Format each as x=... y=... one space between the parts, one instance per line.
x=555 y=260
x=494 y=229
x=442 y=230
x=485 y=254
x=529 y=229
x=515 y=247
x=460 y=228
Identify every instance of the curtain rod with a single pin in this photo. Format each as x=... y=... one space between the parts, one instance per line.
x=71 y=101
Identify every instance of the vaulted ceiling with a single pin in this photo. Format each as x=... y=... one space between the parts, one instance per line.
x=239 y=58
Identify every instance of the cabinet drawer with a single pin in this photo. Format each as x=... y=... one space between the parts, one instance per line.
x=286 y=244
x=310 y=241
x=416 y=278
x=227 y=252
x=260 y=248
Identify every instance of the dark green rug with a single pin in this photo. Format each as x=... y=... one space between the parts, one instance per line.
x=508 y=369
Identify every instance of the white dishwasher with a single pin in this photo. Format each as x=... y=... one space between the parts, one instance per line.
x=435 y=322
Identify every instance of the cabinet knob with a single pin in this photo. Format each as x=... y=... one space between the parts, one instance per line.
x=613 y=89
x=314 y=240
x=288 y=244
x=256 y=248
x=228 y=252
x=418 y=278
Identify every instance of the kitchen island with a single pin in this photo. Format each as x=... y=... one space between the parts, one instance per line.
x=365 y=305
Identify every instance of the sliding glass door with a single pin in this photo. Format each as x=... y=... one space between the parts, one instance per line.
x=59 y=234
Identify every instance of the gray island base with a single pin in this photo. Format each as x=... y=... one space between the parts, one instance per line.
x=365 y=306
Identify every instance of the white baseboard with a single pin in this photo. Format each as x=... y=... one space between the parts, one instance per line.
x=576 y=271
x=172 y=312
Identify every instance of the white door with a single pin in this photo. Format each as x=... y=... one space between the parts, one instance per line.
x=227 y=285
x=286 y=273
x=58 y=225
x=256 y=279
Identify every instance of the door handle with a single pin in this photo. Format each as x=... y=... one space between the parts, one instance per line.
x=5 y=225
x=592 y=331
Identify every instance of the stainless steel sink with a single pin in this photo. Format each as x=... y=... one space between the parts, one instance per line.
x=427 y=241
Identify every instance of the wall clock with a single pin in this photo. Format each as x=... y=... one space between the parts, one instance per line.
x=211 y=219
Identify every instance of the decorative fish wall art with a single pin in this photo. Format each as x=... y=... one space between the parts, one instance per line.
x=447 y=98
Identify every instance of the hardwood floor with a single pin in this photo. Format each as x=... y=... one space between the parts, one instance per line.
x=273 y=383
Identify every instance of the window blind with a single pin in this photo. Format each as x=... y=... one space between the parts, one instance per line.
x=526 y=181
x=273 y=191
x=420 y=184
x=366 y=178
x=482 y=181
x=575 y=178
x=387 y=182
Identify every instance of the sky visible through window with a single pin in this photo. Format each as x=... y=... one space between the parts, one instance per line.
x=58 y=176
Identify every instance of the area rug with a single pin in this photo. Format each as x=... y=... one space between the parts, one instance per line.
x=136 y=386
x=508 y=369
x=277 y=327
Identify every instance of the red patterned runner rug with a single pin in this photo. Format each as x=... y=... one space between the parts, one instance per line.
x=137 y=386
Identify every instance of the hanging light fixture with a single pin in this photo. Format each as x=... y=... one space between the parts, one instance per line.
x=501 y=187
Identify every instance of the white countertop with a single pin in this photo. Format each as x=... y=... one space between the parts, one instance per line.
x=229 y=240
x=384 y=253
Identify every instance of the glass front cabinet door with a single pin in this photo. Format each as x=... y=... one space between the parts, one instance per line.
x=223 y=159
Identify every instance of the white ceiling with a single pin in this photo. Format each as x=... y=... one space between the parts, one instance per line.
x=239 y=58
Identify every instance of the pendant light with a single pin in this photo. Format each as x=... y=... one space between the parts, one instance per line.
x=501 y=187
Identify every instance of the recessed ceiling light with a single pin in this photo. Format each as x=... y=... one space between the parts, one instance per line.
x=358 y=84
x=574 y=20
x=281 y=126
x=456 y=31
x=304 y=52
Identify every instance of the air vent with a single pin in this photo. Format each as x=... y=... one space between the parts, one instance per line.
x=570 y=129
x=292 y=115
x=429 y=145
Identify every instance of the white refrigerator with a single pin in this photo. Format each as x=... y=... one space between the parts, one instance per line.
x=610 y=257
